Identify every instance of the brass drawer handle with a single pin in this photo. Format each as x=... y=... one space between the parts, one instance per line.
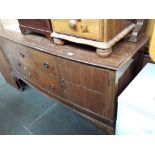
x=45 y=64
x=52 y=86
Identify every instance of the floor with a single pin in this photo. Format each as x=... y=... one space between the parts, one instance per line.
x=31 y=113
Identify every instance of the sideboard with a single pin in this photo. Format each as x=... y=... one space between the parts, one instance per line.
x=73 y=74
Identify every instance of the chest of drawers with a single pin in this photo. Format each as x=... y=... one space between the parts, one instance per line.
x=94 y=29
x=75 y=77
x=100 y=33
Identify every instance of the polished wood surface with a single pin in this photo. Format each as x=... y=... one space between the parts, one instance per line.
x=74 y=75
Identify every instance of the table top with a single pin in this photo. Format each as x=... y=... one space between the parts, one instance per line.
x=123 y=51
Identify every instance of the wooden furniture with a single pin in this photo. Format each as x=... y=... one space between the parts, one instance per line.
x=149 y=27
x=74 y=75
x=6 y=72
x=139 y=30
x=41 y=26
x=152 y=45
x=100 y=33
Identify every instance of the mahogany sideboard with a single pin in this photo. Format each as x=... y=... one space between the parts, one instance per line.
x=72 y=74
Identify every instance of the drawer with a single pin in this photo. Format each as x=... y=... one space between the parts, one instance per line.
x=50 y=84
x=22 y=53
x=88 y=99
x=46 y=82
x=85 y=28
x=31 y=76
x=36 y=60
x=83 y=75
x=26 y=72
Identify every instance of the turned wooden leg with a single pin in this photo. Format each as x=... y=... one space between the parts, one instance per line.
x=104 y=52
x=58 y=41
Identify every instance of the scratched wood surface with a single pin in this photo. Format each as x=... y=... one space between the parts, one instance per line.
x=122 y=51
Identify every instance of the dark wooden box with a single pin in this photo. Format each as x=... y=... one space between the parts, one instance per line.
x=41 y=26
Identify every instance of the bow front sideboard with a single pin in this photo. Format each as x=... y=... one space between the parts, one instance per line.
x=72 y=74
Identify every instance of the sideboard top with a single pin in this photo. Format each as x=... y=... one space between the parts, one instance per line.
x=123 y=51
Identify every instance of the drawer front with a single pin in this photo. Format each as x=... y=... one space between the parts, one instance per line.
x=86 y=98
x=26 y=72
x=84 y=28
x=83 y=75
x=51 y=84
x=46 y=82
x=37 y=60
x=85 y=86
x=38 y=68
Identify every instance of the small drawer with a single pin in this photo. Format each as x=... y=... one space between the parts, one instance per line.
x=85 y=28
x=45 y=62
x=26 y=72
x=31 y=76
x=37 y=60
x=50 y=84
x=83 y=75
x=23 y=54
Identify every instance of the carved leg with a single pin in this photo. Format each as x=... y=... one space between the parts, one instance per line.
x=104 y=52
x=58 y=41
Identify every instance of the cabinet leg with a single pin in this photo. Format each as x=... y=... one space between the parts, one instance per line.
x=58 y=41
x=104 y=52
x=20 y=85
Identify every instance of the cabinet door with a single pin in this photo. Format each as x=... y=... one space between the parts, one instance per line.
x=84 y=85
